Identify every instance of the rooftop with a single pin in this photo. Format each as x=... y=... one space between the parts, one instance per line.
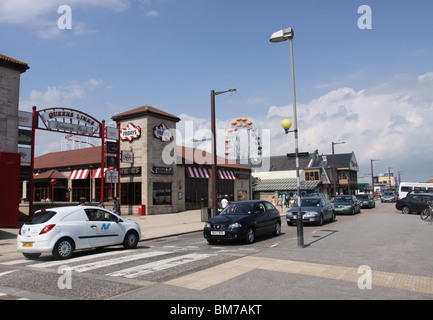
x=13 y=63
x=143 y=111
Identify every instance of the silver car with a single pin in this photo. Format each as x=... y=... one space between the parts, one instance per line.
x=388 y=196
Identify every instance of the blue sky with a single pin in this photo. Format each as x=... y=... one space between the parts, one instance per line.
x=371 y=88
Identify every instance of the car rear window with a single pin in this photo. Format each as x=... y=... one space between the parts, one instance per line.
x=41 y=217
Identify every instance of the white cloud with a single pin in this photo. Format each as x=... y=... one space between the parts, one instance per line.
x=41 y=16
x=55 y=96
x=390 y=122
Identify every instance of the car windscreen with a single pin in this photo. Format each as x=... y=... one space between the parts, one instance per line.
x=41 y=217
x=238 y=208
x=343 y=199
x=308 y=203
x=362 y=196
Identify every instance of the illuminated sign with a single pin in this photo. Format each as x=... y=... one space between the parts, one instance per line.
x=162 y=132
x=130 y=132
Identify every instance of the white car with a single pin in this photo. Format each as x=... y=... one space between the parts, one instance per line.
x=64 y=229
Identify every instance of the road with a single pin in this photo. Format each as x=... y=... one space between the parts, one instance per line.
x=383 y=241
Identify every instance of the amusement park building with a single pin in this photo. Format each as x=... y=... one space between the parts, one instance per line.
x=154 y=174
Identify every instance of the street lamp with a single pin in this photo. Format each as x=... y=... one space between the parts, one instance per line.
x=214 y=150
x=279 y=36
x=372 y=176
x=334 y=173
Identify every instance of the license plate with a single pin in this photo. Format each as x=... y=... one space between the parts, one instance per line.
x=217 y=233
x=27 y=244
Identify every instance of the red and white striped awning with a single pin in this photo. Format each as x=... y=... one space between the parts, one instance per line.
x=226 y=174
x=79 y=174
x=194 y=172
x=97 y=173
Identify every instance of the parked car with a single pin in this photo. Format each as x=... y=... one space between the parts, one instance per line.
x=243 y=220
x=314 y=210
x=346 y=204
x=366 y=200
x=414 y=202
x=65 y=229
x=388 y=196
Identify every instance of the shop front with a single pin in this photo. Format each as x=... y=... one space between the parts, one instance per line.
x=152 y=173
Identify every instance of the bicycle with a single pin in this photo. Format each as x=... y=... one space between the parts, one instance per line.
x=427 y=213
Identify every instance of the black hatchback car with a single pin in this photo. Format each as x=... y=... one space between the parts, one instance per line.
x=414 y=202
x=243 y=220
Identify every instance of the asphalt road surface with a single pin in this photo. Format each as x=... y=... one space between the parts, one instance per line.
x=377 y=254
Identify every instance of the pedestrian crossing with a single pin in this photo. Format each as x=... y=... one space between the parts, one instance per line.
x=116 y=264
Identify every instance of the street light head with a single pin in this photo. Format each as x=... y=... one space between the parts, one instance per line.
x=232 y=90
x=282 y=35
x=286 y=124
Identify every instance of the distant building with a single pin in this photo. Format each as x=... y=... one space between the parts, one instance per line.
x=316 y=175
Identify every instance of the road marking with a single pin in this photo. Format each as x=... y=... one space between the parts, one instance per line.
x=201 y=280
x=114 y=261
x=78 y=259
x=14 y=262
x=7 y=272
x=158 y=265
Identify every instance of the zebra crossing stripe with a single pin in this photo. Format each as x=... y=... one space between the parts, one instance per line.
x=114 y=261
x=78 y=259
x=147 y=268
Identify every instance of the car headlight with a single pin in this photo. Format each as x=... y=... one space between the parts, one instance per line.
x=235 y=225
x=207 y=225
x=310 y=214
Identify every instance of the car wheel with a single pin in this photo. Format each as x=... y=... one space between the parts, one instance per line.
x=63 y=249
x=277 y=230
x=332 y=217
x=31 y=255
x=320 y=222
x=250 y=236
x=131 y=240
x=405 y=210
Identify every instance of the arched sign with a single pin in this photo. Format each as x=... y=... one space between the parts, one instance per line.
x=70 y=121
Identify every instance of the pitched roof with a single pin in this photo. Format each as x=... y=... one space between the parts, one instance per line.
x=283 y=185
x=144 y=111
x=283 y=163
x=13 y=63
x=50 y=174
x=188 y=155
x=70 y=158
x=92 y=156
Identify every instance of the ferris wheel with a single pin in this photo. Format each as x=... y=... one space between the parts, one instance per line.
x=242 y=143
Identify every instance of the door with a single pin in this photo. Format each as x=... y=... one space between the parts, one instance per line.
x=103 y=228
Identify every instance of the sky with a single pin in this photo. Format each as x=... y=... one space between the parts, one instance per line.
x=365 y=78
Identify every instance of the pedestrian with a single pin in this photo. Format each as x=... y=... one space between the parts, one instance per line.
x=274 y=202
x=101 y=204
x=224 y=202
x=280 y=203
x=116 y=206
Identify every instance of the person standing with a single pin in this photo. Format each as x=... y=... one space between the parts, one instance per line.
x=116 y=207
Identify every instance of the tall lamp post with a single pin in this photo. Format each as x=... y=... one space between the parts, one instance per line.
x=279 y=36
x=214 y=150
x=372 y=176
x=334 y=171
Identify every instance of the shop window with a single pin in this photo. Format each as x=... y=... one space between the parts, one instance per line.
x=161 y=193
x=130 y=193
x=311 y=175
